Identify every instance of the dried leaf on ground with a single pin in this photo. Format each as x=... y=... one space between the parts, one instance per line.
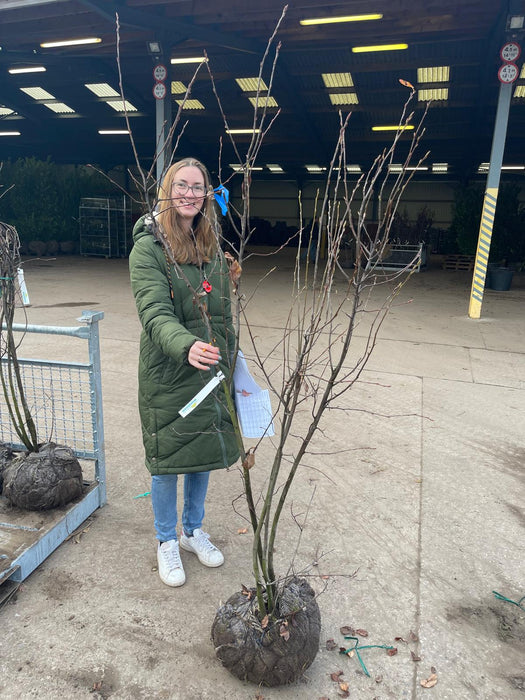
x=347 y=630
x=414 y=657
x=242 y=530
x=392 y=652
x=413 y=637
x=97 y=685
x=264 y=621
x=344 y=694
x=331 y=644
x=336 y=676
x=247 y=592
x=379 y=679
x=400 y=639
x=433 y=669
x=362 y=633
x=343 y=685
x=430 y=682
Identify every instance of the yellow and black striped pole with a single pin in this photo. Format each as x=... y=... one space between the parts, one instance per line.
x=489 y=203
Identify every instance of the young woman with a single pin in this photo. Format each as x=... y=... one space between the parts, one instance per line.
x=181 y=289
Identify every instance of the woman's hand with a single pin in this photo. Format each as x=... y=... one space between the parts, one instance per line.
x=203 y=355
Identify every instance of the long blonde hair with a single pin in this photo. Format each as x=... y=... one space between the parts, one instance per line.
x=201 y=246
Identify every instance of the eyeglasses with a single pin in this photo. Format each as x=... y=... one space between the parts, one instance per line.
x=183 y=187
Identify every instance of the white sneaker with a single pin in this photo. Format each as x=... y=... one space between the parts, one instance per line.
x=171 y=571
x=200 y=545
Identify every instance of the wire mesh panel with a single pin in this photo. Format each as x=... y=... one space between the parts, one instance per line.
x=60 y=400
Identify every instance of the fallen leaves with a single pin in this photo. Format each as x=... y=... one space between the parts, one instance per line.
x=362 y=633
x=431 y=681
x=331 y=644
x=392 y=652
x=242 y=530
x=248 y=592
x=346 y=630
x=264 y=622
x=415 y=657
x=336 y=676
x=284 y=632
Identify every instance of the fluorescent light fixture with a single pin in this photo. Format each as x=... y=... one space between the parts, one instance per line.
x=335 y=20
x=353 y=168
x=5 y=111
x=434 y=74
x=154 y=48
x=483 y=167
x=263 y=101
x=379 y=47
x=10 y=133
x=513 y=167
x=102 y=89
x=112 y=132
x=344 y=98
x=178 y=88
x=337 y=80
x=522 y=74
x=190 y=104
x=274 y=168
x=38 y=93
x=189 y=59
x=242 y=131
x=432 y=94
x=416 y=167
x=440 y=167
x=519 y=91
x=240 y=168
x=397 y=127
x=59 y=108
x=251 y=84
x=121 y=106
x=70 y=42
x=315 y=168
x=27 y=69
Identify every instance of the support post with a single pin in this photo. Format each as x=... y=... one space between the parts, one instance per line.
x=489 y=201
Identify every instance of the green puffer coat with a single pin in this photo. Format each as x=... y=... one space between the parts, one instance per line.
x=205 y=439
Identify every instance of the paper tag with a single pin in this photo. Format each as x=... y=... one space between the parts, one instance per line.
x=203 y=393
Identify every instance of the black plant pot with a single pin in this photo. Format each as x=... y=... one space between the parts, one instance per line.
x=500 y=279
x=45 y=479
x=269 y=653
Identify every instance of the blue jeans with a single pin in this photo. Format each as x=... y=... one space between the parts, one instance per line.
x=164 y=502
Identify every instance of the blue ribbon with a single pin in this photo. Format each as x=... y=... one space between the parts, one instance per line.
x=222 y=197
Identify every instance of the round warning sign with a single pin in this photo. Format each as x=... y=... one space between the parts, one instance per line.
x=510 y=52
x=160 y=72
x=508 y=73
x=159 y=91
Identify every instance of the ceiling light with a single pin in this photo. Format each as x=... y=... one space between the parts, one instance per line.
x=241 y=168
x=435 y=74
x=178 y=88
x=189 y=59
x=483 y=167
x=27 y=69
x=38 y=93
x=10 y=133
x=121 y=106
x=353 y=168
x=59 y=108
x=334 y=20
x=242 y=131
x=380 y=47
x=519 y=91
x=337 y=80
x=102 y=89
x=522 y=74
x=440 y=167
x=416 y=167
x=397 y=127
x=5 y=111
x=263 y=101
x=70 y=42
x=343 y=98
x=395 y=168
x=251 y=84
x=274 y=168
x=432 y=94
x=513 y=167
x=315 y=168
x=190 y=104
x=111 y=132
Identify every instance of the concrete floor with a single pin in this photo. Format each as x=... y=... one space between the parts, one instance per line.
x=417 y=515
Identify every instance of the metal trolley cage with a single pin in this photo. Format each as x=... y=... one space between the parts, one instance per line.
x=65 y=399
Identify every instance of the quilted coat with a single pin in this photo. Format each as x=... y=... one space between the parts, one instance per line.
x=204 y=439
